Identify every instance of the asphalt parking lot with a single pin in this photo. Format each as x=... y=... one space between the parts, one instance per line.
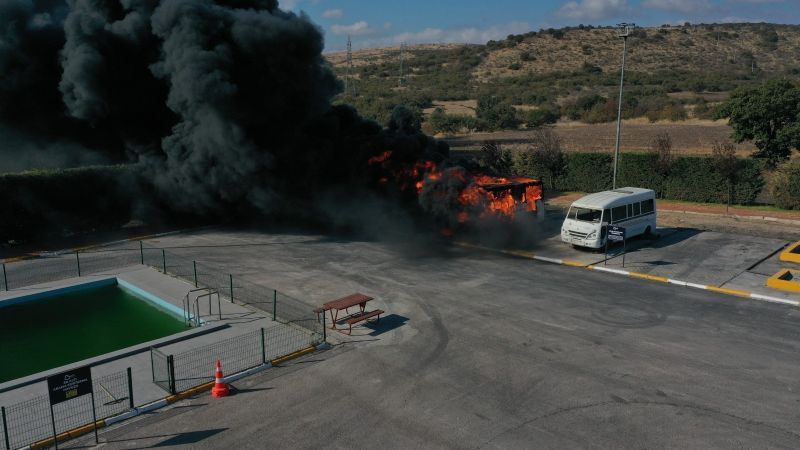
x=723 y=259
x=479 y=350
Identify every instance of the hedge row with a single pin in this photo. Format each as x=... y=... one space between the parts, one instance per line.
x=786 y=185
x=47 y=202
x=690 y=178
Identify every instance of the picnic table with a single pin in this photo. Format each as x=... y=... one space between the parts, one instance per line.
x=345 y=303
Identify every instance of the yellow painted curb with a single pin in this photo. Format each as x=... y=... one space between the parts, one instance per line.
x=780 y=281
x=519 y=253
x=646 y=276
x=17 y=259
x=568 y=262
x=728 y=291
x=190 y=392
x=80 y=431
x=292 y=356
x=792 y=253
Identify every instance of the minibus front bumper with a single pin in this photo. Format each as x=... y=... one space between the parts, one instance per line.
x=582 y=242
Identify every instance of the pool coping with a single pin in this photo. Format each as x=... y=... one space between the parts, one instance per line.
x=152 y=299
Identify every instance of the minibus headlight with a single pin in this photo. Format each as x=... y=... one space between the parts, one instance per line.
x=592 y=235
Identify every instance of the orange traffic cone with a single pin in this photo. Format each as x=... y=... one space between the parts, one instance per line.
x=220 y=388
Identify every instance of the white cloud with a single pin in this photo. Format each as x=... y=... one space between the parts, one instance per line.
x=593 y=9
x=333 y=14
x=684 y=6
x=359 y=28
x=738 y=19
x=471 y=35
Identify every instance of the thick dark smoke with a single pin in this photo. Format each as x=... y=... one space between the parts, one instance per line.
x=224 y=105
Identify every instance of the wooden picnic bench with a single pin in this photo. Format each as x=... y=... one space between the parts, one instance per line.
x=345 y=303
x=358 y=317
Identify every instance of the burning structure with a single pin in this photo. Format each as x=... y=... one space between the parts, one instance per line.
x=457 y=196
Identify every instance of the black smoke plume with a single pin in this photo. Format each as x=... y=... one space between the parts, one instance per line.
x=223 y=105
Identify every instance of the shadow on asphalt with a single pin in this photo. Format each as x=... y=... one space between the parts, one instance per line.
x=190 y=437
x=388 y=323
x=187 y=438
x=237 y=391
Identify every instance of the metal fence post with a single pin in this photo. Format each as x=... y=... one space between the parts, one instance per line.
x=164 y=260
x=231 y=279
x=130 y=387
x=194 y=266
x=171 y=366
x=141 y=251
x=5 y=278
x=263 y=347
x=274 y=304
x=324 y=328
x=5 y=428
x=78 y=258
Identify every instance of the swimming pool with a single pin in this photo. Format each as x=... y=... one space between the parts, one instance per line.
x=53 y=328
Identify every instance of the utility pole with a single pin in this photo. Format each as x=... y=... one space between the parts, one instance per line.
x=349 y=83
x=402 y=80
x=625 y=30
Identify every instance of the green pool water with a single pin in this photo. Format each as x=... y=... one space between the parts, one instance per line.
x=47 y=333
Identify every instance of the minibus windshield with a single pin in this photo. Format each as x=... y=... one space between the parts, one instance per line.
x=585 y=214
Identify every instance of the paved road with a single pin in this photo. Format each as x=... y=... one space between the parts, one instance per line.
x=483 y=351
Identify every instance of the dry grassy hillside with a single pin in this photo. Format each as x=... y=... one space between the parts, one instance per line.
x=692 y=48
x=677 y=76
x=370 y=56
x=700 y=48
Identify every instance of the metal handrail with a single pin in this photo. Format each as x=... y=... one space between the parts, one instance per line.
x=187 y=305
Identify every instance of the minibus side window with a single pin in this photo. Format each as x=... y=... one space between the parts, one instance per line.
x=637 y=209
x=619 y=214
x=647 y=206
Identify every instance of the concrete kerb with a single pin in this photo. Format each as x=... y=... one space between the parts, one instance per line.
x=35 y=255
x=642 y=276
x=158 y=404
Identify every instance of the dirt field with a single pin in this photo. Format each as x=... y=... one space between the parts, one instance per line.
x=455 y=107
x=690 y=137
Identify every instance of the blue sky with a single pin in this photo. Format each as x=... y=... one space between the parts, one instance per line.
x=387 y=23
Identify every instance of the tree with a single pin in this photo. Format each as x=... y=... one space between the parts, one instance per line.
x=661 y=147
x=496 y=114
x=546 y=153
x=404 y=120
x=726 y=164
x=494 y=160
x=541 y=116
x=768 y=115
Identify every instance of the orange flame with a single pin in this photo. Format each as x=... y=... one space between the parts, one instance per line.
x=483 y=197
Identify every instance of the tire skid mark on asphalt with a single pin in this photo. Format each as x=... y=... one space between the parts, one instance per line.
x=628 y=403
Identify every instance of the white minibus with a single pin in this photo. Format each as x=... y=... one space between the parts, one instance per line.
x=588 y=217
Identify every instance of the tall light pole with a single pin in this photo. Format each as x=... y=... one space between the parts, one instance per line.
x=624 y=31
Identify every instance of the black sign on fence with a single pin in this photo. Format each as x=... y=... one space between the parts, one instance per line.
x=67 y=386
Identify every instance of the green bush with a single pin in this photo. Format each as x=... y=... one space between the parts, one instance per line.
x=542 y=116
x=786 y=186
x=496 y=114
x=691 y=178
x=441 y=122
